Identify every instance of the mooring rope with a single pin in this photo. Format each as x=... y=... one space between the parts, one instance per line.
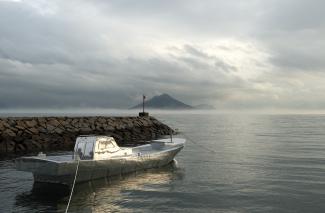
x=197 y=144
x=74 y=182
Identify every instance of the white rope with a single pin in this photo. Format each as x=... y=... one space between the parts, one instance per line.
x=74 y=182
x=198 y=144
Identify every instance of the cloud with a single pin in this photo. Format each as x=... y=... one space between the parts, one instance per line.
x=232 y=54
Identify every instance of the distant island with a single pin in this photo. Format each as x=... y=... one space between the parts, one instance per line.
x=166 y=101
x=163 y=101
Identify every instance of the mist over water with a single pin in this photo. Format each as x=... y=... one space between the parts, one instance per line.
x=231 y=163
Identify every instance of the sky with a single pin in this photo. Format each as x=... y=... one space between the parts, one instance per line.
x=232 y=54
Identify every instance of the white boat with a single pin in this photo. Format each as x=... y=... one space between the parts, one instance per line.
x=97 y=157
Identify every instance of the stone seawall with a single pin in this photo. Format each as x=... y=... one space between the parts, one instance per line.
x=31 y=134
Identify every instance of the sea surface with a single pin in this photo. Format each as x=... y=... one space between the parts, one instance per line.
x=231 y=163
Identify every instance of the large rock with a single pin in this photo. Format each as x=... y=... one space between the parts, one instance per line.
x=53 y=122
x=9 y=132
x=31 y=123
x=50 y=128
x=33 y=131
x=59 y=130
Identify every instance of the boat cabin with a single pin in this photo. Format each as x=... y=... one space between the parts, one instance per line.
x=98 y=148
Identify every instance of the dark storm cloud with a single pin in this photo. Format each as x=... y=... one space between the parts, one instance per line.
x=237 y=54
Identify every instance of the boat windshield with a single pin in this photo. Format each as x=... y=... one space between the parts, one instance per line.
x=84 y=148
x=107 y=145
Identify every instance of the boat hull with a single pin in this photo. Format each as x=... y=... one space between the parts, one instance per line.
x=48 y=171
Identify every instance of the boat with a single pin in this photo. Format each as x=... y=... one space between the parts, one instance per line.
x=97 y=157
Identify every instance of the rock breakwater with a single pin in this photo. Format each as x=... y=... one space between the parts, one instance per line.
x=32 y=134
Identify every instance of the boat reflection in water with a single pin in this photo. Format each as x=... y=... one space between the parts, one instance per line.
x=102 y=195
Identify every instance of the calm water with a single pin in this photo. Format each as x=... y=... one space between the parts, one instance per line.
x=247 y=163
